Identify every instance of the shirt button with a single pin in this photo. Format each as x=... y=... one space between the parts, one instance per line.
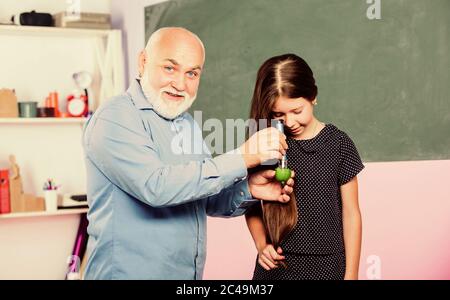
x=242 y=193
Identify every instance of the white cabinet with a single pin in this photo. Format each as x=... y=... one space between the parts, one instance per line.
x=35 y=61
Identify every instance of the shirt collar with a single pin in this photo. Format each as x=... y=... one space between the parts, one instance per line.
x=140 y=101
x=137 y=95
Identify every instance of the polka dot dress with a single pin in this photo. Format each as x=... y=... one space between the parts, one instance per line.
x=314 y=249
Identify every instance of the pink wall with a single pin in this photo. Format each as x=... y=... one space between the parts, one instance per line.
x=406 y=223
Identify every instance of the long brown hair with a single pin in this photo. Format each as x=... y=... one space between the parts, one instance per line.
x=289 y=76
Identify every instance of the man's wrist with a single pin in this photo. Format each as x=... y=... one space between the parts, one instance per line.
x=251 y=160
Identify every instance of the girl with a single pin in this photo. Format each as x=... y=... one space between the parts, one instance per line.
x=322 y=233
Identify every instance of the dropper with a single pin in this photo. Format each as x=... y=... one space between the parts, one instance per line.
x=279 y=124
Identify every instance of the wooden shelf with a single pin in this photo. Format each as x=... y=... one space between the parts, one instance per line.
x=60 y=212
x=52 y=31
x=42 y=120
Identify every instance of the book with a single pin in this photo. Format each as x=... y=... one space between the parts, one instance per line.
x=5 y=204
x=83 y=20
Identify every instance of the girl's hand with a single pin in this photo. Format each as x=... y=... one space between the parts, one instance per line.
x=351 y=277
x=268 y=258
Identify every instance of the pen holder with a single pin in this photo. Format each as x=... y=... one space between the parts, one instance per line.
x=51 y=200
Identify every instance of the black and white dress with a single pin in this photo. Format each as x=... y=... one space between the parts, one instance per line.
x=314 y=249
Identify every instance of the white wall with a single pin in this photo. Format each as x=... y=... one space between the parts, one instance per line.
x=35 y=66
x=45 y=151
x=36 y=248
x=129 y=16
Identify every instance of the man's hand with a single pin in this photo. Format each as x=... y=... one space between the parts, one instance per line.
x=263 y=186
x=269 y=259
x=264 y=145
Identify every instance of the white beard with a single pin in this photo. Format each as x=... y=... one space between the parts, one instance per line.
x=165 y=108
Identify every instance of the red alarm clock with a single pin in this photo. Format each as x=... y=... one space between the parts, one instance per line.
x=77 y=105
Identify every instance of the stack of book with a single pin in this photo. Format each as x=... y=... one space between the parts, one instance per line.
x=83 y=20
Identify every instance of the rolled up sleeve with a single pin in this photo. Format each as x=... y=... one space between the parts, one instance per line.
x=231 y=202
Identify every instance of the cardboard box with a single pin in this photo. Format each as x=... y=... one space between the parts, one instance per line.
x=15 y=187
x=8 y=104
x=20 y=202
x=33 y=203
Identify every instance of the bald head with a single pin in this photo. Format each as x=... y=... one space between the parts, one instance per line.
x=172 y=41
x=170 y=36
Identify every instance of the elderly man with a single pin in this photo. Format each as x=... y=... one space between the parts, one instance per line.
x=147 y=203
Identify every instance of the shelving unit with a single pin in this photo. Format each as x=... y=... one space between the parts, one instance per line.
x=50 y=147
x=52 y=31
x=36 y=61
x=60 y=212
x=12 y=121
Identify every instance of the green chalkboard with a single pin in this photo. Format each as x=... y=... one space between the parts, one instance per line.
x=386 y=82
